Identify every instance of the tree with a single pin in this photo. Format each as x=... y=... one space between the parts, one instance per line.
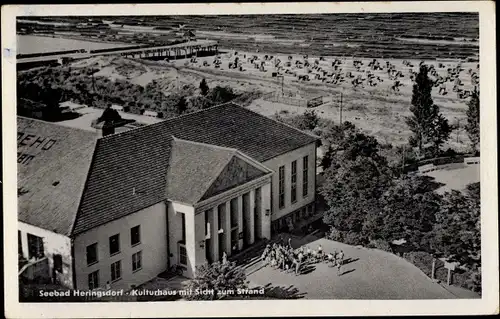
x=204 y=87
x=182 y=105
x=219 y=277
x=472 y=126
x=457 y=233
x=439 y=133
x=426 y=122
x=200 y=103
x=310 y=120
x=409 y=208
x=352 y=190
x=221 y=94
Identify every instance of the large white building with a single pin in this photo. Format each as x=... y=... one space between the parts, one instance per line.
x=118 y=210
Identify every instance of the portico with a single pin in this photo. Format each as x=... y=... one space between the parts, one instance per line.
x=236 y=223
x=228 y=223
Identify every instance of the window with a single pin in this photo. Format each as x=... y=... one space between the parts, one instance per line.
x=94 y=280
x=281 y=187
x=137 y=261
x=92 y=254
x=234 y=240
x=220 y=216
x=207 y=223
x=116 y=271
x=183 y=221
x=182 y=255
x=135 y=235
x=19 y=243
x=305 y=176
x=114 y=244
x=35 y=246
x=58 y=263
x=234 y=212
x=293 y=189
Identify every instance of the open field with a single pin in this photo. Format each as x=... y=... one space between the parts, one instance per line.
x=378 y=110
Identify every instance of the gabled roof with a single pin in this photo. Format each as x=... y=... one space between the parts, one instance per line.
x=53 y=163
x=236 y=172
x=193 y=168
x=233 y=126
x=128 y=173
x=108 y=178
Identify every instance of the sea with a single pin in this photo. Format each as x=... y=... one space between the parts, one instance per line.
x=377 y=35
x=393 y=35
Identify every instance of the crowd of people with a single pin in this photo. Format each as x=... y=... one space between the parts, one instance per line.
x=284 y=257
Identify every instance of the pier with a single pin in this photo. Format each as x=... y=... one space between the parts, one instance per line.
x=180 y=50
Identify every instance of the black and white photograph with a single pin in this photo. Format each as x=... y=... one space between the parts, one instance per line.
x=177 y=154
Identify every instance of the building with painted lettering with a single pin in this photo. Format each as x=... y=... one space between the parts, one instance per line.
x=118 y=210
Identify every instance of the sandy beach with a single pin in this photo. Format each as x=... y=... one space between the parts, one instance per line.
x=376 y=93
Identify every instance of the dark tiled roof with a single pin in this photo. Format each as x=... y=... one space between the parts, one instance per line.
x=53 y=163
x=128 y=174
x=129 y=171
x=193 y=168
x=233 y=126
x=50 y=197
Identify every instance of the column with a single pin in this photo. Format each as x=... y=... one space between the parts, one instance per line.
x=240 y=221
x=227 y=228
x=192 y=244
x=24 y=243
x=214 y=233
x=265 y=202
x=251 y=212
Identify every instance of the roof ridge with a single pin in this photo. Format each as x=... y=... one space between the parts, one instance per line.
x=215 y=176
x=56 y=124
x=89 y=169
x=205 y=144
x=163 y=122
x=271 y=119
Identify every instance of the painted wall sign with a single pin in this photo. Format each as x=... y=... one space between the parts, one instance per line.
x=29 y=143
x=34 y=141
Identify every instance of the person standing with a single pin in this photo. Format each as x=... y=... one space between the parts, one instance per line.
x=341 y=257
x=224 y=258
x=339 y=265
x=297 y=266
x=320 y=251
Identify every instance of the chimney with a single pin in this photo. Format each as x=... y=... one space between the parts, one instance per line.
x=108 y=121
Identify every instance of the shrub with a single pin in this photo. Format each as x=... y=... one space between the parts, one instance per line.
x=468 y=279
x=354 y=238
x=219 y=277
x=380 y=244
x=335 y=234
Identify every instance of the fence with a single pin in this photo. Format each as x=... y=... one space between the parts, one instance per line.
x=279 y=98
x=315 y=101
x=433 y=164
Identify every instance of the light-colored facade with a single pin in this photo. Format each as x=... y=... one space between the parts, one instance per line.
x=304 y=200
x=189 y=220
x=53 y=246
x=152 y=247
x=227 y=223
